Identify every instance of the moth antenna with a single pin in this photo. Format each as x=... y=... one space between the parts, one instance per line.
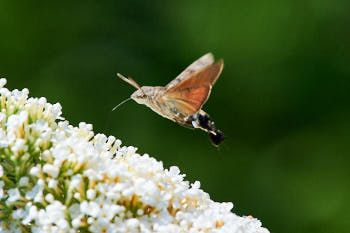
x=126 y=100
x=130 y=81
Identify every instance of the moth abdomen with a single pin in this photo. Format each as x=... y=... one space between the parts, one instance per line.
x=203 y=121
x=216 y=138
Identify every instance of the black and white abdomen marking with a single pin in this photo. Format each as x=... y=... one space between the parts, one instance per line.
x=203 y=121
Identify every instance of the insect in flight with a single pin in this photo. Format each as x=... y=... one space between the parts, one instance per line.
x=182 y=99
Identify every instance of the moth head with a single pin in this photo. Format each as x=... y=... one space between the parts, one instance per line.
x=141 y=96
x=142 y=93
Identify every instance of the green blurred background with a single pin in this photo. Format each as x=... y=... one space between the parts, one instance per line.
x=282 y=99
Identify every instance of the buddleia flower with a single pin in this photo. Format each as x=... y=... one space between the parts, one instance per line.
x=55 y=177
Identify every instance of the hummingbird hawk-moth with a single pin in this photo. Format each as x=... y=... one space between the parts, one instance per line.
x=182 y=99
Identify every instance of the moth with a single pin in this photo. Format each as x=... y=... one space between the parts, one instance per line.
x=182 y=99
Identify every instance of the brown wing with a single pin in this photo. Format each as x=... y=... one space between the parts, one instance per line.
x=190 y=94
x=196 y=66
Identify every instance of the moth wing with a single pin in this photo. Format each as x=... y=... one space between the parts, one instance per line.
x=196 y=66
x=190 y=94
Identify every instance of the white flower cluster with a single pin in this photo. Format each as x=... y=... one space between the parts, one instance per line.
x=58 y=178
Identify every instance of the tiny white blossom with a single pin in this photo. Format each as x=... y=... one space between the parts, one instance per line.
x=14 y=195
x=50 y=170
x=16 y=120
x=49 y=198
x=31 y=213
x=76 y=222
x=2 y=193
x=76 y=180
x=2 y=117
x=24 y=181
x=52 y=183
x=34 y=171
x=3 y=81
x=18 y=214
x=34 y=193
x=76 y=196
x=91 y=193
x=132 y=223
